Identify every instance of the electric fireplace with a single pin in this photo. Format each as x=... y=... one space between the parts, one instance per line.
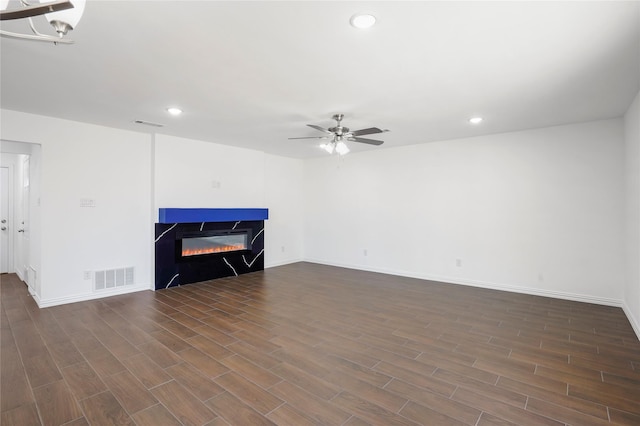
x=195 y=245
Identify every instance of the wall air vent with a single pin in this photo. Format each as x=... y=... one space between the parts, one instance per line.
x=112 y=278
x=148 y=123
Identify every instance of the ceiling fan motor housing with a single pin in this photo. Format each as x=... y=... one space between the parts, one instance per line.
x=339 y=130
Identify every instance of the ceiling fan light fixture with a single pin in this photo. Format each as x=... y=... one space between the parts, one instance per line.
x=329 y=147
x=362 y=21
x=342 y=148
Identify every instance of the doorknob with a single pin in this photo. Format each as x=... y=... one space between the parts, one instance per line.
x=20 y=230
x=4 y=228
x=3 y=221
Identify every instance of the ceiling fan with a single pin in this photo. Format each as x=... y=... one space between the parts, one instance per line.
x=339 y=134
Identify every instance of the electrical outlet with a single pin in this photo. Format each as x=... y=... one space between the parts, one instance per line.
x=215 y=184
x=282 y=249
x=365 y=252
x=459 y=263
x=87 y=275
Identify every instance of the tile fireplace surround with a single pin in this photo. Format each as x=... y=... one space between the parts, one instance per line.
x=206 y=233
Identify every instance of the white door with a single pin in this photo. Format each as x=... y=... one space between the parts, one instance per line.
x=4 y=220
x=23 y=232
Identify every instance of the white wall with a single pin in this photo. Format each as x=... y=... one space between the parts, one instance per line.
x=632 y=220
x=83 y=161
x=284 y=195
x=196 y=174
x=536 y=211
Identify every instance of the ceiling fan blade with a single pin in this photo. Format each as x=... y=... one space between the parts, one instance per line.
x=313 y=126
x=365 y=140
x=312 y=137
x=369 y=131
x=35 y=10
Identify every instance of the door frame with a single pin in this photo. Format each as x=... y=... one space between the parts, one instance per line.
x=13 y=150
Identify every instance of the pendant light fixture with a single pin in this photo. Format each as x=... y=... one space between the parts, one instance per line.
x=67 y=19
x=63 y=15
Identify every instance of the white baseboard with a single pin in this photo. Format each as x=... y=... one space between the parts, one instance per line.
x=46 y=303
x=36 y=298
x=282 y=263
x=635 y=323
x=482 y=284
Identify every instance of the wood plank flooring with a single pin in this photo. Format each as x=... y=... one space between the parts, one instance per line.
x=307 y=344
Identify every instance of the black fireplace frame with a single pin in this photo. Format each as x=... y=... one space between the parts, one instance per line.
x=171 y=271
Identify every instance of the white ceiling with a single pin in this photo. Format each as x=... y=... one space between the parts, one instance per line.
x=252 y=74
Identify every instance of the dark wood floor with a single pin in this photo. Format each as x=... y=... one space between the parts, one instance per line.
x=311 y=344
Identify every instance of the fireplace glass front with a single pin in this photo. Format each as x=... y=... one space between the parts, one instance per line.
x=197 y=245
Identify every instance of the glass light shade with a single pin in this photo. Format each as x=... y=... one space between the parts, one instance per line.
x=71 y=17
x=328 y=147
x=342 y=148
x=475 y=120
x=3 y=4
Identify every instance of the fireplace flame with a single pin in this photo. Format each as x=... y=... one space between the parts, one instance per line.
x=210 y=250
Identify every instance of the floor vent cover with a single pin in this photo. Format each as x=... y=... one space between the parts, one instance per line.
x=112 y=278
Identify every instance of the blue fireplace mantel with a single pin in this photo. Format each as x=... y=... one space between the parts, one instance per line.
x=171 y=215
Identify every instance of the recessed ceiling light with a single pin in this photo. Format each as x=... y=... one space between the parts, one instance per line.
x=363 y=21
x=174 y=111
x=475 y=120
